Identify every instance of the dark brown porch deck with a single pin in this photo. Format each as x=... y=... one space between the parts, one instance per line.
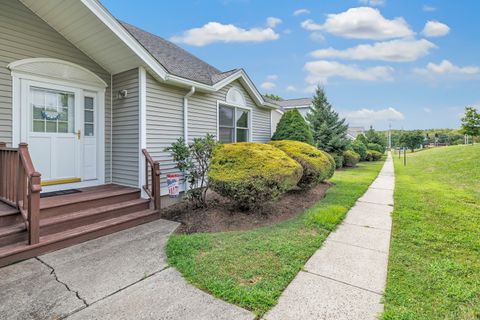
x=66 y=220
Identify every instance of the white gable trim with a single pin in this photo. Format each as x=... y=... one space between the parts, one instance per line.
x=125 y=36
x=57 y=69
x=242 y=76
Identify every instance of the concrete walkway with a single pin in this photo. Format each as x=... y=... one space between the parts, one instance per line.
x=345 y=279
x=119 y=276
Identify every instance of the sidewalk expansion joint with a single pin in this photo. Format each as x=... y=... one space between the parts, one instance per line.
x=366 y=226
x=121 y=289
x=357 y=246
x=343 y=282
x=377 y=188
x=380 y=204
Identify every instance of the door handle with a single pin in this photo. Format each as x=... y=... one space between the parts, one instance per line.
x=79 y=134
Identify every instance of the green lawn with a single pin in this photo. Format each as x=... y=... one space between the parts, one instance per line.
x=252 y=268
x=434 y=267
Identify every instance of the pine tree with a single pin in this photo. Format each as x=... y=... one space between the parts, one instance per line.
x=329 y=131
x=292 y=126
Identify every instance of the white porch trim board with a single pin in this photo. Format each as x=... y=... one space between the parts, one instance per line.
x=142 y=82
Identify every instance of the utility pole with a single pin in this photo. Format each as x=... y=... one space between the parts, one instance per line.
x=390 y=136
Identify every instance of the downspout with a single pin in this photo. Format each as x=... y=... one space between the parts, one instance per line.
x=185 y=113
x=185 y=125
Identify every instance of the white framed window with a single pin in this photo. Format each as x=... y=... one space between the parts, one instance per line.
x=234 y=124
x=89 y=116
x=52 y=111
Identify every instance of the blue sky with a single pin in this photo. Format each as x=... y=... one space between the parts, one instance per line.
x=378 y=60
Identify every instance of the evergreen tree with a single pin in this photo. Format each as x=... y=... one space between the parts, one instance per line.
x=273 y=96
x=376 y=137
x=329 y=131
x=292 y=126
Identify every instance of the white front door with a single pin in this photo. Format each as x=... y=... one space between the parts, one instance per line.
x=54 y=132
x=60 y=125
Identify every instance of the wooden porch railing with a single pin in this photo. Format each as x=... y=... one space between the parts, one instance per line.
x=152 y=179
x=20 y=186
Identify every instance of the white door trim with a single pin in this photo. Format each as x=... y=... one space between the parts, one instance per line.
x=20 y=83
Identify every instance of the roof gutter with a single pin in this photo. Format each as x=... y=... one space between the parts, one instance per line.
x=185 y=113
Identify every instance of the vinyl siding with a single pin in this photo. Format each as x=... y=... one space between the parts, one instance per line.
x=125 y=131
x=165 y=119
x=24 y=35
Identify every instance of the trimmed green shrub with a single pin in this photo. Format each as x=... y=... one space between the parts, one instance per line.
x=373 y=155
x=376 y=147
x=338 y=160
x=292 y=126
x=360 y=148
x=250 y=174
x=350 y=158
x=333 y=164
x=316 y=166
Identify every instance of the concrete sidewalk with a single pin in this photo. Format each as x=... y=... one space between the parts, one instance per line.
x=120 y=276
x=345 y=279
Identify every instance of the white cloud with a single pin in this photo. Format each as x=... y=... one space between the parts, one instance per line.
x=216 y=32
x=447 y=68
x=427 y=110
x=291 y=88
x=372 y=2
x=366 y=117
x=317 y=36
x=310 y=25
x=320 y=71
x=394 y=50
x=428 y=8
x=300 y=12
x=435 y=29
x=272 y=22
x=267 y=85
x=287 y=31
x=362 y=23
x=272 y=77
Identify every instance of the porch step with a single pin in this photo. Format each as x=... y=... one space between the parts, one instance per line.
x=12 y=234
x=59 y=223
x=9 y=215
x=69 y=220
x=90 y=198
x=55 y=241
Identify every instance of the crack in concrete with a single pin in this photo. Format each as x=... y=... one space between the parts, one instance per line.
x=131 y=284
x=109 y=295
x=58 y=280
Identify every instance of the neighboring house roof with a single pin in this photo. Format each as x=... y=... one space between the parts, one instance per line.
x=355 y=131
x=176 y=60
x=295 y=103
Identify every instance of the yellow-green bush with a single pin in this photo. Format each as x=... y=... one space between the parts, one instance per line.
x=317 y=167
x=350 y=158
x=333 y=163
x=373 y=155
x=250 y=174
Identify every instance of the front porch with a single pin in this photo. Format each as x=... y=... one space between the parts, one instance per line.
x=31 y=224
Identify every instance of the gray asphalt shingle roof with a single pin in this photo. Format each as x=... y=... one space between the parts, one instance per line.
x=294 y=102
x=176 y=60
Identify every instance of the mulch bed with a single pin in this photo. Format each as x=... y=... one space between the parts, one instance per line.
x=221 y=216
